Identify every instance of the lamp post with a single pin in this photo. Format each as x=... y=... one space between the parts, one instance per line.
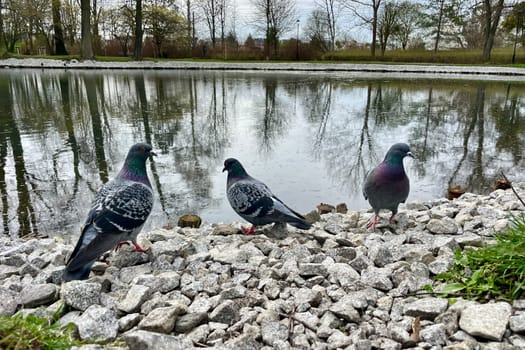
x=297 y=42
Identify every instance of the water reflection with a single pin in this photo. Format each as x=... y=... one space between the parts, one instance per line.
x=311 y=138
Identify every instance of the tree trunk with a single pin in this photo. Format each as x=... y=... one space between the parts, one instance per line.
x=86 y=51
x=137 y=56
x=188 y=29
x=492 y=17
x=375 y=6
x=439 y=23
x=3 y=39
x=60 y=47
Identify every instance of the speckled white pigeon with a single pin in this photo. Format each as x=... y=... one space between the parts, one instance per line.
x=254 y=202
x=117 y=214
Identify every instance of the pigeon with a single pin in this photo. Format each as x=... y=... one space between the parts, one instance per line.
x=117 y=214
x=254 y=202
x=387 y=185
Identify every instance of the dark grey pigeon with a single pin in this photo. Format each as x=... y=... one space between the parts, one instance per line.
x=117 y=214
x=254 y=202
x=387 y=185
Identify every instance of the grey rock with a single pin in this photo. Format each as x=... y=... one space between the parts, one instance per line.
x=129 y=321
x=36 y=295
x=199 y=334
x=126 y=256
x=442 y=226
x=450 y=320
x=234 y=292
x=97 y=322
x=343 y=274
x=162 y=319
x=9 y=300
x=385 y=344
x=517 y=323
x=327 y=324
x=226 y=312
x=141 y=339
x=401 y=335
x=380 y=255
x=312 y=269
x=360 y=263
x=338 y=340
x=187 y=322
x=272 y=331
x=308 y=319
x=135 y=297
x=175 y=246
x=80 y=294
x=310 y=296
x=426 y=308
x=128 y=273
x=377 y=278
x=344 y=308
x=487 y=321
x=164 y=282
x=435 y=334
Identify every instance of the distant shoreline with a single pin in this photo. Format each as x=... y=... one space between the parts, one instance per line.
x=377 y=70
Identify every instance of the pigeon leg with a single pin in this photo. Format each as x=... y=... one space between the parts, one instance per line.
x=138 y=248
x=248 y=231
x=392 y=220
x=373 y=222
x=117 y=247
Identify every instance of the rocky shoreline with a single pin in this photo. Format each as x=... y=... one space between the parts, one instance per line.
x=336 y=286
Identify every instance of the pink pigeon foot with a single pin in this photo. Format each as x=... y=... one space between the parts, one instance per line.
x=138 y=248
x=373 y=222
x=248 y=231
x=392 y=220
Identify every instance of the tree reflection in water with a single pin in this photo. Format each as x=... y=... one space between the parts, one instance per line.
x=311 y=137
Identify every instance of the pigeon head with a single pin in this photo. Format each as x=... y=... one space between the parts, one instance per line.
x=397 y=152
x=234 y=168
x=135 y=164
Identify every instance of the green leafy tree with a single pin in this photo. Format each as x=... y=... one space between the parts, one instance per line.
x=162 y=23
x=444 y=19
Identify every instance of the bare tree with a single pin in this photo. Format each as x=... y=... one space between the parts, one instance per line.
x=361 y=8
x=274 y=17
x=60 y=48
x=387 y=24
x=211 y=11
x=86 y=52
x=316 y=29
x=139 y=31
x=491 y=16
x=408 y=18
x=330 y=10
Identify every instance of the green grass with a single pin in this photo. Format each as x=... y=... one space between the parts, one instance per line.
x=499 y=56
x=32 y=332
x=493 y=272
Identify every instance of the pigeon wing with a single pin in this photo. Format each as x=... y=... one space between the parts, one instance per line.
x=117 y=212
x=251 y=198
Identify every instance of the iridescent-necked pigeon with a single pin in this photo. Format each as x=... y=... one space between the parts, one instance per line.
x=387 y=185
x=117 y=214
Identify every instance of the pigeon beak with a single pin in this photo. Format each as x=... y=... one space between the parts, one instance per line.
x=224 y=169
x=411 y=155
x=152 y=154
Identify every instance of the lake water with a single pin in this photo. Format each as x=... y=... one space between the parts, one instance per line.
x=309 y=137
